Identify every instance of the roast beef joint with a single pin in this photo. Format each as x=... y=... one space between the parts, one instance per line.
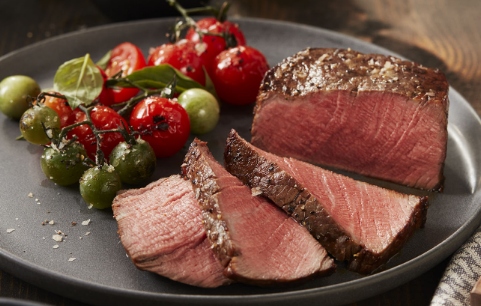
x=371 y=114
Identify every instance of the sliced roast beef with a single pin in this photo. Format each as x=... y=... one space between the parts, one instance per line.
x=256 y=242
x=356 y=222
x=160 y=227
x=372 y=114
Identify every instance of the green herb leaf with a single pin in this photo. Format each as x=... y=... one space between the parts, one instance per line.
x=104 y=61
x=156 y=77
x=79 y=80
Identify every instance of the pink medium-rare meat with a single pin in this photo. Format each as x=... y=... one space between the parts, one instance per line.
x=372 y=114
x=356 y=222
x=256 y=242
x=160 y=227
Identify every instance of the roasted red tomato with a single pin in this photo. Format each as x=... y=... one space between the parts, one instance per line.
x=180 y=55
x=127 y=58
x=163 y=123
x=213 y=44
x=237 y=74
x=59 y=105
x=103 y=118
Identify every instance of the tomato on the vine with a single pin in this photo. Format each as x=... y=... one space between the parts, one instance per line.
x=103 y=118
x=14 y=93
x=39 y=125
x=126 y=58
x=214 y=44
x=202 y=108
x=237 y=74
x=99 y=186
x=163 y=123
x=181 y=55
x=64 y=165
x=134 y=162
x=60 y=106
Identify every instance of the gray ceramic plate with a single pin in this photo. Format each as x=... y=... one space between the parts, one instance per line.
x=90 y=265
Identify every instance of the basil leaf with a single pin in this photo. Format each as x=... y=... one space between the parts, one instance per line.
x=104 y=61
x=156 y=77
x=79 y=80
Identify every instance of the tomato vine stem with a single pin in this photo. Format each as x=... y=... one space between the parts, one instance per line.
x=219 y=13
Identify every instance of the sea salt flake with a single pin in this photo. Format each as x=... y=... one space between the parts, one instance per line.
x=30 y=195
x=167 y=91
x=256 y=191
x=72 y=259
x=200 y=47
x=55 y=246
x=57 y=237
x=86 y=222
x=9 y=230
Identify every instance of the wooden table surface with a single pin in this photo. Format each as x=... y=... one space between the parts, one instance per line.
x=437 y=33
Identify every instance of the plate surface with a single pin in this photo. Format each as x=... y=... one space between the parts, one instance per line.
x=90 y=264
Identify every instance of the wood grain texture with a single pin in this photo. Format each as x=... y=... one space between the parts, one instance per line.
x=436 y=33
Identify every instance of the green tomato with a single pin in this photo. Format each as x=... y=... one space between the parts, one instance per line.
x=14 y=93
x=136 y=163
x=39 y=124
x=202 y=108
x=64 y=166
x=99 y=186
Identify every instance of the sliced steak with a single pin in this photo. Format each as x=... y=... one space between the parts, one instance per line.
x=372 y=114
x=160 y=227
x=356 y=222
x=256 y=242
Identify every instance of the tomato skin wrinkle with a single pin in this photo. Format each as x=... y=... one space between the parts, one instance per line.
x=160 y=123
x=212 y=45
x=181 y=55
x=237 y=74
x=163 y=123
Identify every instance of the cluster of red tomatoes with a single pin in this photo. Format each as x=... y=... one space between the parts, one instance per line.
x=236 y=73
